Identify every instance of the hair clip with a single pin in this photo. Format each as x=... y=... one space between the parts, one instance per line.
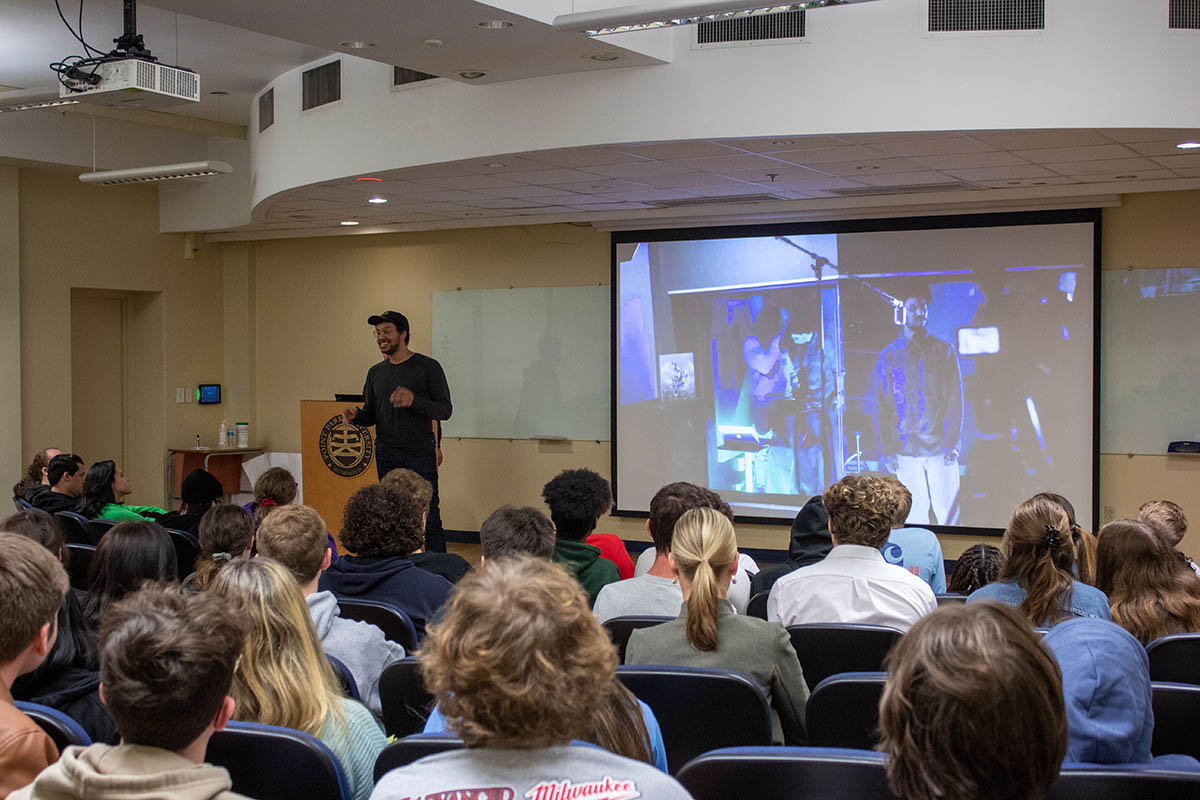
x=1050 y=543
x=222 y=557
x=267 y=502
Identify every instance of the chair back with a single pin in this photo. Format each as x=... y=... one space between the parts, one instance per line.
x=1091 y=783
x=271 y=763
x=405 y=701
x=620 y=628
x=403 y=752
x=700 y=709
x=1176 y=710
x=757 y=607
x=827 y=649
x=73 y=527
x=843 y=710
x=98 y=527
x=396 y=625
x=1175 y=658
x=22 y=504
x=61 y=729
x=786 y=773
x=950 y=599
x=345 y=679
x=187 y=548
x=79 y=564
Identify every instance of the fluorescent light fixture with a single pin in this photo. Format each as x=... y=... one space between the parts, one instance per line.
x=378 y=200
x=669 y=13
x=1188 y=145
x=44 y=104
x=349 y=222
x=161 y=172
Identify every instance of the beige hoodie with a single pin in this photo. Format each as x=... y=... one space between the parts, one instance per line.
x=127 y=772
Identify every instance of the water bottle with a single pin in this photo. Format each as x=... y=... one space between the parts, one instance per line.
x=221 y=435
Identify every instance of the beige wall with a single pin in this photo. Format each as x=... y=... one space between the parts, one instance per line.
x=97 y=376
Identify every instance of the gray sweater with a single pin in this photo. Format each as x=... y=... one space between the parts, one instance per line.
x=359 y=645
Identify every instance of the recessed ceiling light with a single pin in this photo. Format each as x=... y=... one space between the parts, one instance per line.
x=432 y=42
x=605 y=57
x=356 y=45
x=349 y=222
x=376 y=180
x=471 y=74
x=494 y=24
x=1188 y=145
x=378 y=200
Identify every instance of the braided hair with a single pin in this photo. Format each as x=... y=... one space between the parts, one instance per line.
x=977 y=566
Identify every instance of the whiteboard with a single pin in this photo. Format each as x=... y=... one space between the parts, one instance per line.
x=1149 y=359
x=526 y=363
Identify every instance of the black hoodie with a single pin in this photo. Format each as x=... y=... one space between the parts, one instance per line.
x=809 y=544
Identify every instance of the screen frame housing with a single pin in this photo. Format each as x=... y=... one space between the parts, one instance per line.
x=951 y=221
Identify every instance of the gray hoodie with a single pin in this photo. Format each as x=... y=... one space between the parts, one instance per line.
x=127 y=772
x=359 y=645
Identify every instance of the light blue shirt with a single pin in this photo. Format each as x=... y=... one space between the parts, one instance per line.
x=918 y=551
x=1086 y=601
x=437 y=724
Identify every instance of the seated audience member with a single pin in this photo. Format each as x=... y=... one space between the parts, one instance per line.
x=1106 y=687
x=518 y=668
x=854 y=583
x=916 y=549
x=979 y=565
x=511 y=531
x=657 y=592
x=972 y=708
x=1083 y=540
x=296 y=537
x=167 y=661
x=35 y=473
x=225 y=532
x=128 y=555
x=284 y=677
x=449 y=565
x=381 y=527
x=65 y=475
x=809 y=543
x=1169 y=521
x=69 y=678
x=707 y=633
x=275 y=487
x=32 y=587
x=104 y=491
x=578 y=498
x=198 y=493
x=1149 y=592
x=1039 y=553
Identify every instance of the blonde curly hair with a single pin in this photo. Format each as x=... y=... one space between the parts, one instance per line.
x=861 y=509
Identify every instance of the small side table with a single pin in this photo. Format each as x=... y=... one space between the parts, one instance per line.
x=225 y=465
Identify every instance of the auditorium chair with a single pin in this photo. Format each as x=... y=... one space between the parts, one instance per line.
x=267 y=762
x=395 y=624
x=22 y=504
x=345 y=679
x=843 y=710
x=403 y=752
x=98 y=527
x=61 y=729
x=1175 y=658
x=73 y=527
x=757 y=607
x=187 y=548
x=620 y=628
x=700 y=709
x=1176 y=716
x=1092 y=783
x=405 y=701
x=950 y=599
x=826 y=649
x=79 y=564
x=786 y=773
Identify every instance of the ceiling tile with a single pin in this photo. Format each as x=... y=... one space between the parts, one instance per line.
x=1185 y=161
x=614 y=207
x=935 y=146
x=1140 y=175
x=499 y=165
x=1059 y=155
x=829 y=155
x=777 y=144
x=588 y=157
x=1174 y=135
x=722 y=165
x=1112 y=166
x=895 y=136
x=450 y=196
x=640 y=169
x=549 y=177
x=815 y=185
x=1159 y=148
x=998 y=158
x=784 y=173
x=904 y=178
x=1055 y=181
x=644 y=196
x=685 y=180
x=1039 y=140
x=1016 y=172
x=467 y=182
x=1188 y=172
x=673 y=151
x=728 y=190
x=598 y=185
x=526 y=190
x=501 y=202
x=858 y=169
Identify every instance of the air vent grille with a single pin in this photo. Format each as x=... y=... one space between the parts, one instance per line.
x=322 y=85
x=785 y=25
x=1184 y=15
x=404 y=75
x=918 y=188
x=986 y=15
x=145 y=75
x=266 y=109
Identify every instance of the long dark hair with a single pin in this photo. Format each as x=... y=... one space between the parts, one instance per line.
x=226 y=531
x=97 y=489
x=128 y=555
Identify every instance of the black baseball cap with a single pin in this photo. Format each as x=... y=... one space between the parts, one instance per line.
x=394 y=317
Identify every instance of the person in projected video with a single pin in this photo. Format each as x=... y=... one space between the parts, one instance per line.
x=919 y=401
x=770 y=376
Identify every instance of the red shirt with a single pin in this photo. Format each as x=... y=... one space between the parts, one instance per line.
x=612 y=548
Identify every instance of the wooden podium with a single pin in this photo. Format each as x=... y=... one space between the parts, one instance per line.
x=337 y=460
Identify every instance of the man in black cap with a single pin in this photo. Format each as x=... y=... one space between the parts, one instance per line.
x=199 y=492
x=403 y=394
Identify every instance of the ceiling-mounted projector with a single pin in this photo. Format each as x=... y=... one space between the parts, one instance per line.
x=134 y=82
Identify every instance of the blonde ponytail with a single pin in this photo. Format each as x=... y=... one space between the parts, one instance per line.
x=703 y=546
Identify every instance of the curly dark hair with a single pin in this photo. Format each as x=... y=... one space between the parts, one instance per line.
x=577 y=498
x=381 y=521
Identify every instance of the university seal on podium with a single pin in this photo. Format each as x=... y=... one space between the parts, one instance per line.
x=346 y=449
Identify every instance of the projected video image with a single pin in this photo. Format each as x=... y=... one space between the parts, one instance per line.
x=786 y=362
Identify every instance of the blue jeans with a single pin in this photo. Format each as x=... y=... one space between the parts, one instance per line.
x=425 y=465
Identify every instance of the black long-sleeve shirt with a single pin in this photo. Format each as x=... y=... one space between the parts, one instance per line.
x=405 y=428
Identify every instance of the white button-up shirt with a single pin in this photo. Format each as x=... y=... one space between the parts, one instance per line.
x=852 y=584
